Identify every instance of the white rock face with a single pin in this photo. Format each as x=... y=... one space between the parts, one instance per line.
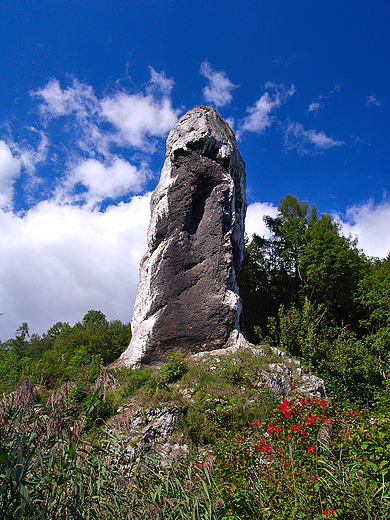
x=187 y=299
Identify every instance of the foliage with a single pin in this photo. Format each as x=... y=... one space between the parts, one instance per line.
x=63 y=477
x=63 y=351
x=172 y=371
x=310 y=291
x=307 y=290
x=309 y=461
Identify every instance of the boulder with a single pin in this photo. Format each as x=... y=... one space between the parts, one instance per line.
x=187 y=299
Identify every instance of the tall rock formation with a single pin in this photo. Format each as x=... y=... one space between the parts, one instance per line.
x=187 y=299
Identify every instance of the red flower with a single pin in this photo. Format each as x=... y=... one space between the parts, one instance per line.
x=311 y=448
x=257 y=423
x=329 y=511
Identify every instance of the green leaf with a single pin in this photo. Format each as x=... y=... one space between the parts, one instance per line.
x=72 y=448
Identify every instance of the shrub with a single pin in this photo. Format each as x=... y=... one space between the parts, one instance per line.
x=172 y=371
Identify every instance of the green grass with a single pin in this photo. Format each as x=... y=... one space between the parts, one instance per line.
x=63 y=458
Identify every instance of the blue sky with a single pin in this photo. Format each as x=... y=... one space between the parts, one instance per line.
x=90 y=90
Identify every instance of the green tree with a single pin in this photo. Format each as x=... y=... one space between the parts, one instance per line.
x=94 y=319
x=306 y=259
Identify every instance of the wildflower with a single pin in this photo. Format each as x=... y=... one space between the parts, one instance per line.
x=283 y=408
x=257 y=423
x=311 y=448
x=329 y=511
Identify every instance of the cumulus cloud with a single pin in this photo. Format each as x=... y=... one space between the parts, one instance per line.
x=307 y=141
x=254 y=222
x=92 y=181
x=137 y=117
x=218 y=91
x=134 y=116
x=9 y=172
x=91 y=149
x=370 y=223
x=259 y=116
x=60 y=261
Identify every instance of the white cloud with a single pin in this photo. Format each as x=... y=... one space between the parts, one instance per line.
x=78 y=99
x=372 y=100
x=102 y=181
x=254 y=222
x=314 y=108
x=57 y=262
x=134 y=116
x=370 y=223
x=259 y=116
x=91 y=148
x=218 y=91
x=9 y=172
x=137 y=117
x=159 y=83
x=307 y=141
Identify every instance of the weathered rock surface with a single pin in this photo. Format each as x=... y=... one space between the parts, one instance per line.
x=187 y=299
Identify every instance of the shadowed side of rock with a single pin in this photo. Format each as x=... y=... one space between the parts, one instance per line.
x=187 y=299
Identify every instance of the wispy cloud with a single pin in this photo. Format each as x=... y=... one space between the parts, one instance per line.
x=78 y=99
x=372 y=100
x=307 y=141
x=159 y=83
x=259 y=116
x=219 y=90
x=316 y=106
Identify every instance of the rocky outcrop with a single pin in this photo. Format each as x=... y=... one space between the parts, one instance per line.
x=187 y=299
x=147 y=430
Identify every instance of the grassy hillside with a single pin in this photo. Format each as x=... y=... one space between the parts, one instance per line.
x=201 y=439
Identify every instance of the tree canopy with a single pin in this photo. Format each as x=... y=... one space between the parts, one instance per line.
x=309 y=289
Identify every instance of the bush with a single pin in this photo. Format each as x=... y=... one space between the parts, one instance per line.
x=172 y=371
x=311 y=460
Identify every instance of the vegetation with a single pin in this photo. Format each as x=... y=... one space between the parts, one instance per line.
x=310 y=291
x=63 y=353
x=69 y=443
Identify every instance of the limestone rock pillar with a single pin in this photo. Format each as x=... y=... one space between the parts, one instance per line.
x=187 y=299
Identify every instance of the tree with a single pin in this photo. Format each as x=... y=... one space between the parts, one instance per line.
x=94 y=319
x=306 y=259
